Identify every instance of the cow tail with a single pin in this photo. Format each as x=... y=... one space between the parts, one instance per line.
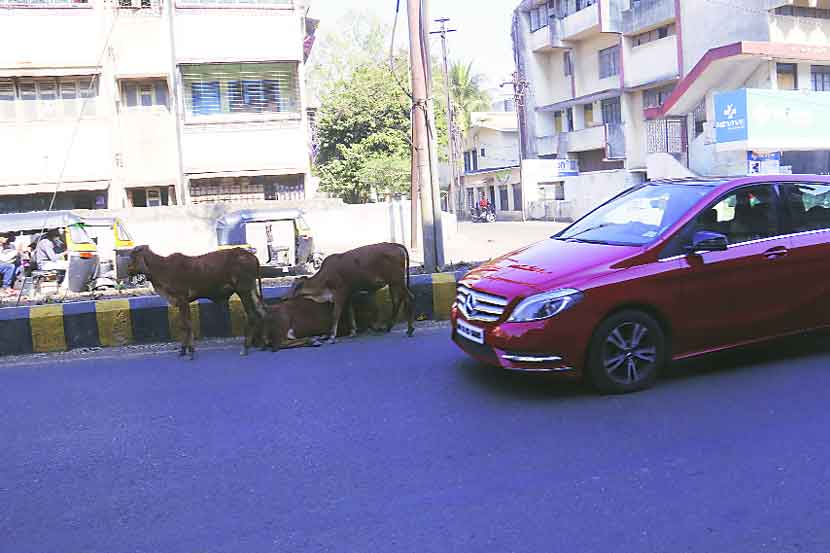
x=406 y=253
x=259 y=285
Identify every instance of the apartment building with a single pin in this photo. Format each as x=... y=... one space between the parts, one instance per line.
x=139 y=103
x=491 y=161
x=636 y=89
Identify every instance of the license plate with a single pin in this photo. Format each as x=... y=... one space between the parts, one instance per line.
x=470 y=332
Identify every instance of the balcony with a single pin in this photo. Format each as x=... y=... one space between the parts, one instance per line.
x=799 y=30
x=645 y=14
x=652 y=62
x=149 y=150
x=547 y=38
x=547 y=145
x=581 y=24
x=590 y=138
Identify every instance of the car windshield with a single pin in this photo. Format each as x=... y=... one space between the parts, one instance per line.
x=638 y=217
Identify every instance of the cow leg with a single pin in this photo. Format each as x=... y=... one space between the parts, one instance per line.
x=409 y=301
x=340 y=301
x=352 y=320
x=397 y=299
x=187 y=331
x=253 y=320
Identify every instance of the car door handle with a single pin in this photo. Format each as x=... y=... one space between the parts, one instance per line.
x=776 y=252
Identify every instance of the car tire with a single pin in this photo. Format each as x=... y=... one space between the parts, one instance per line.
x=627 y=352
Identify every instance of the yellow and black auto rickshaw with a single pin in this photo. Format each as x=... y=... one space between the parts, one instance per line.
x=81 y=251
x=280 y=238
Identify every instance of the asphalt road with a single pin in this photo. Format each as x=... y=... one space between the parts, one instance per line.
x=395 y=445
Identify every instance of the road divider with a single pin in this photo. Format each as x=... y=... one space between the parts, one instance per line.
x=148 y=319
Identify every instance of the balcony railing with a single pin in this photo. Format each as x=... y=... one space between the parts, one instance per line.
x=647 y=13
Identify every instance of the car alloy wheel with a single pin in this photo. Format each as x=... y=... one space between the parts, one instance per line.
x=627 y=352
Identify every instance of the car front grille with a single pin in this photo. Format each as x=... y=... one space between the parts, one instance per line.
x=478 y=306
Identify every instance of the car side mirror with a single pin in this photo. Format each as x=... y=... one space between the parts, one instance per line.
x=706 y=241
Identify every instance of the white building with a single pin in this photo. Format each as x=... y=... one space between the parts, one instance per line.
x=636 y=89
x=491 y=163
x=141 y=103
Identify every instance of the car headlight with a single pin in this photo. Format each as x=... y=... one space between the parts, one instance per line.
x=545 y=306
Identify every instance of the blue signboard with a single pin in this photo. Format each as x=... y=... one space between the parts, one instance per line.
x=731 y=123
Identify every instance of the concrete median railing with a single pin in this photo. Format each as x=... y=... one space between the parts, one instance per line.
x=148 y=320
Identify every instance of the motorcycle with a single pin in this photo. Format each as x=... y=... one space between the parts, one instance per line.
x=488 y=215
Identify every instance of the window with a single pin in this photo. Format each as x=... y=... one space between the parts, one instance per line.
x=787 y=76
x=700 y=118
x=474 y=160
x=588 y=110
x=213 y=89
x=143 y=94
x=611 y=111
x=801 y=11
x=809 y=206
x=47 y=98
x=68 y=3
x=654 y=34
x=747 y=214
x=821 y=77
x=656 y=97
x=241 y=3
x=482 y=152
x=569 y=119
x=557 y=121
x=609 y=62
x=568 y=62
x=538 y=18
x=466 y=162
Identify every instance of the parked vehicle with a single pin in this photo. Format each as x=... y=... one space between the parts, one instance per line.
x=280 y=238
x=620 y=293
x=487 y=215
x=114 y=246
x=81 y=250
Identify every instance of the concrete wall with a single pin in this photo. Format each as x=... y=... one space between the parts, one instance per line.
x=799 y=30
x=147 y=142
x=650 y=62
x=337 y=227
x=501 y=149
x=68 y=36
x=552 y=86
x=586 y=61
x=230 y=35
x=150 y=29
x=588 y=190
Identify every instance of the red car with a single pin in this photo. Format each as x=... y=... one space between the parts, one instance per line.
x=664 y=271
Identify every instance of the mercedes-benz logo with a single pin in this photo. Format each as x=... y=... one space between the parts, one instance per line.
x=470 y=305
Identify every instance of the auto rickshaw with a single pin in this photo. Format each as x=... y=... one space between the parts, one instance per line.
x=82 y=253
x=114 y=245
x=280 y=238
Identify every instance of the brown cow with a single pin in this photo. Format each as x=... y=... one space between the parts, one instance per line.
x=364 y=269
x=299 y=321
x=181 y=279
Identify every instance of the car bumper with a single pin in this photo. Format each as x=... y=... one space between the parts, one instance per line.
x=556 y=345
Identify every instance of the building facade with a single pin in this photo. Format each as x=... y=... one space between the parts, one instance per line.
x=143 y=103
x=491 y=162
x=632 y=89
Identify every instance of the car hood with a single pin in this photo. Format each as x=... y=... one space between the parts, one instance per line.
x=546 y=265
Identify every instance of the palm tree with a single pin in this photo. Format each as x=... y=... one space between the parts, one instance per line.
x=467 y=94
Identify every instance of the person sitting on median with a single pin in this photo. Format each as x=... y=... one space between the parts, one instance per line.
x=8 y=265
x=47 y=258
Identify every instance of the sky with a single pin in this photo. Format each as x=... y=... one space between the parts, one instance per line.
x=482 y=36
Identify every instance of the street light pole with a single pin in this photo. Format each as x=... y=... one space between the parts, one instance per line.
x=451 y=200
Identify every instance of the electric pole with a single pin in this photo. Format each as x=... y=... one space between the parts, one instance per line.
x=451 y=200
x=520 y=87
x=423 y=121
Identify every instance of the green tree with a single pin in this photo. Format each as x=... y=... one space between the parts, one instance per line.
x=364 y=130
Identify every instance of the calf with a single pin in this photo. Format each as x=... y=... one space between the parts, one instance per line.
x=181 y=279
x=364 y=269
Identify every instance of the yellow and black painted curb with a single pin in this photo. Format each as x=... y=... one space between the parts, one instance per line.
x=147 y=320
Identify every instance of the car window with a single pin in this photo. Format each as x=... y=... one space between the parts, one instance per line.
x=809 y=206
x=636 y=217
x=746 y=214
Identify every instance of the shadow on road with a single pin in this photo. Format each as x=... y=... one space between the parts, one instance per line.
x=544 y=386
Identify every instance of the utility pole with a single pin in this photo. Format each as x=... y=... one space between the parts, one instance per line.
x=450 y=114
x=520 y=87
x=182 y=193
x=423 y=146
